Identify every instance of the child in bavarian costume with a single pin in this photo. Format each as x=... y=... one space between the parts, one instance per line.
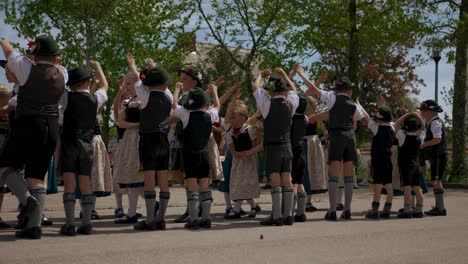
x=41 y=85
x=316 y=169
x=277 y=109
x=410 y=133
x=79 y=120
x=5 y=95
x=381 y=160
x=244 y=145
x=155 y=105
x=126 y=172
x=197 y=125
x=435 y=150
x=343 y=113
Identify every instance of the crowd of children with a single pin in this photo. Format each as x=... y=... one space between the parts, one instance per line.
x=183 y=132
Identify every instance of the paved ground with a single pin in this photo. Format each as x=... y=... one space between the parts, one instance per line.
x=427 y=240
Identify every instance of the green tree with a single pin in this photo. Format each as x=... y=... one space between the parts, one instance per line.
x=104 y=31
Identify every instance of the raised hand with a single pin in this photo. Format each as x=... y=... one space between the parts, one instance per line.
x=280 y=72
x=130 y=59
x=266 y=73
x=219 y=81
x=94 y=64
x=150 y=63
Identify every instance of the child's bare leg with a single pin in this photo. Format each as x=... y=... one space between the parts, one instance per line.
x=407 y=199
x=276 y=195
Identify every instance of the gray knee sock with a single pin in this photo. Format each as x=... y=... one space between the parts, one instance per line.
x=276 y=200
x=387 y=207
x=150 y=202
x=309 y=199
x=118 y=200
x=407 y=208
x=36 y=218
x=227 y=200
x=252 y=203
x=133 y=195
x=294 y=207
x=87 y=204
x=439 y=199
x=288 y=198
x=163 y=204
x=192 y=203
x=332 y=192
x=418 y=208
x=206 y=200
x=301 y=202
x=413 y=201
x=375 y=206
x=15 y=182
x=69 y=201
x=238 y=205
x=349 y=188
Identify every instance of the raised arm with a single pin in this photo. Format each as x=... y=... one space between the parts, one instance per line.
x=366 y=117
x=6 y=47
x=214 y=96
x=223 y=99
x=132 y=66
x=312 y=89
x=283 y=74
x=323 y=116
x=118 y=99
x=400 y=121
x=227 y=118
x=175 y=100
x=258 y=81
x=100 y=77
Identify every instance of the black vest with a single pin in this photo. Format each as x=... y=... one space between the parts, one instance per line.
x=435 y=150
x=154 y=116
x=40 y=94
x=242 y=141
x=408 y=153
x=382 y=142
x=79 y=119
x=298 y=129
x=132 y=115
x=311 y=129
x=277 y=124
x=342 y=112
x=197 y=132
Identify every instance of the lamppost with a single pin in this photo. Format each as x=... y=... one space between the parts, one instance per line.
x=436 y=57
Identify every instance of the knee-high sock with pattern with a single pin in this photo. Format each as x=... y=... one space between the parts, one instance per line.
x=36 y=217
x=192 y=203
x=276 y=199
x=17 y=185
x=301 y=203
x=87 y=204
x=69 y=201
x=439 y=199
x=150 y=202
x=206 y=200
x=163 y=204
x=349 y=188
x=332 y=191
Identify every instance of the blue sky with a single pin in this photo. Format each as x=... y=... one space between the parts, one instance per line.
x=426 y=72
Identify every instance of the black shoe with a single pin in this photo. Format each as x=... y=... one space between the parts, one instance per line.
x=372 y=215
x=233 y=215
x=401 y=210
x=407 y=215
x=25 y=212
x=95 y=215
x=160 y=225
x=140 y=226
x=272 y=222
x=288 y=220
x=266 y=186
x=118 y=213
x=300 y=218
x=339 y=207
x=346 y=215
x=242 y=212
x=127 y=220
x=85 y=229
x=384 y=215
x=205 y=223
x=417 y=215
x=3 y=224
x=46 y=221
x=436 y=212
x=182 y=219
x=310 y=208
x=192 y=224
x=331 y=216
x=227 y=212
x=254 y=211
x=68 y=230
x=34 y=232
x=139 y=215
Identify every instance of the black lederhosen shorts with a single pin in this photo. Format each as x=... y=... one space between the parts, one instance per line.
x=298 y=165
x=342 y=146
x=381 y=171
x=176 y=160
x=154 y=151
x=76 y=155
x=278 y=158
x=409 y=173
x=438 y=166
x=31 y=145
x=196 y=163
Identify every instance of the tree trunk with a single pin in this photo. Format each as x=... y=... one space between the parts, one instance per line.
x=353 y=52
x=459 y=94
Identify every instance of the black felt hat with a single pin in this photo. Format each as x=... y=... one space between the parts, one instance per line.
x=384 y=114
x=343 y=83
x=196 y=99
x=156 y=76
x=275 y=84
x=193 y=72
x=411 y=124
x=3 y=63
x=45 y=46
x=430 y=105
x=79 y=74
